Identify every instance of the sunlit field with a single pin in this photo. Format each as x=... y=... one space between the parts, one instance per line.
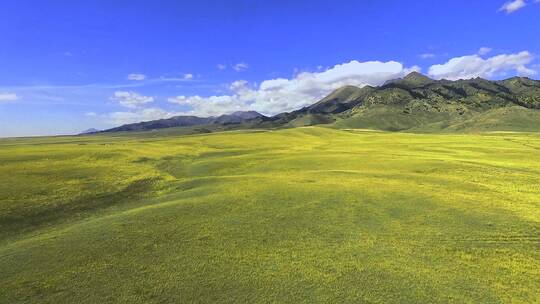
x=305 y=215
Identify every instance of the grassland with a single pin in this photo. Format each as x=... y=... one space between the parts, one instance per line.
x=305 y=215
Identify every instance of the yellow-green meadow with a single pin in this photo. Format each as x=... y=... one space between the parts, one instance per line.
x=304 y=215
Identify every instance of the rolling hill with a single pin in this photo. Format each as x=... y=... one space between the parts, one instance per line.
x=296 y=215
x=413 y=103
x=278 y=210
x=418 y=103
x=289 y=212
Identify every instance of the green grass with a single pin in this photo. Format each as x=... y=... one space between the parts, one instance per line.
x=305 y=215
x=397 y=118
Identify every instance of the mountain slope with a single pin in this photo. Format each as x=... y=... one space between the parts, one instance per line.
x=418 y=103
x=188 y=121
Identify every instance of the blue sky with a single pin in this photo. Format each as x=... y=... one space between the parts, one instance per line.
x=66 y=66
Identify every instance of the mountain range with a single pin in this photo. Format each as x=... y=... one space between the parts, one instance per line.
x=189 y=121
x=413 y=103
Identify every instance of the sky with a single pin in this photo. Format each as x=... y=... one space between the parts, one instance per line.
x=66 y=66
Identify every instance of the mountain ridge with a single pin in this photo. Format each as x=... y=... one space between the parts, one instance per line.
x=418 y=103
x=188 y=121
x=414 y=102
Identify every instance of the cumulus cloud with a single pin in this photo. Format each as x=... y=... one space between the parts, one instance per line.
x=213 y=105
x=512 y=6
x=131 y=99
x=188 y=76
x=136 y=77
x=240 y=66
x=7 y=96
x=484 y=50
x=282 y=94
x=472 y=66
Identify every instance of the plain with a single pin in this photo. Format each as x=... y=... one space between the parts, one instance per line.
x=304 y=215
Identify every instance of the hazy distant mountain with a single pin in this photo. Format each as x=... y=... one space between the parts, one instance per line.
x=188 y=121
x=237 y=117
x=89 y=131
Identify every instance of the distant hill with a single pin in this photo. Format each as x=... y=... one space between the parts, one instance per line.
x=89 y=131
x=413 y=103
x=189 y=121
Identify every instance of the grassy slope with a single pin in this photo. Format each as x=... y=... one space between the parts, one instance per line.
x=297 y=215
x=392 y=118
x=510 y=119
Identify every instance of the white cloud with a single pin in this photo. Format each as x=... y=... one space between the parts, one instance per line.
x=474 y=66
x=427 y=56
x=188 y=76
x=6 y=96
x=484 y=50
x=281 y=94
x=512 y=6
x=240 y=66
x=211 y=106
x=221 y=66
x=137 y=77
x=90 y=114
x=131 y=99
